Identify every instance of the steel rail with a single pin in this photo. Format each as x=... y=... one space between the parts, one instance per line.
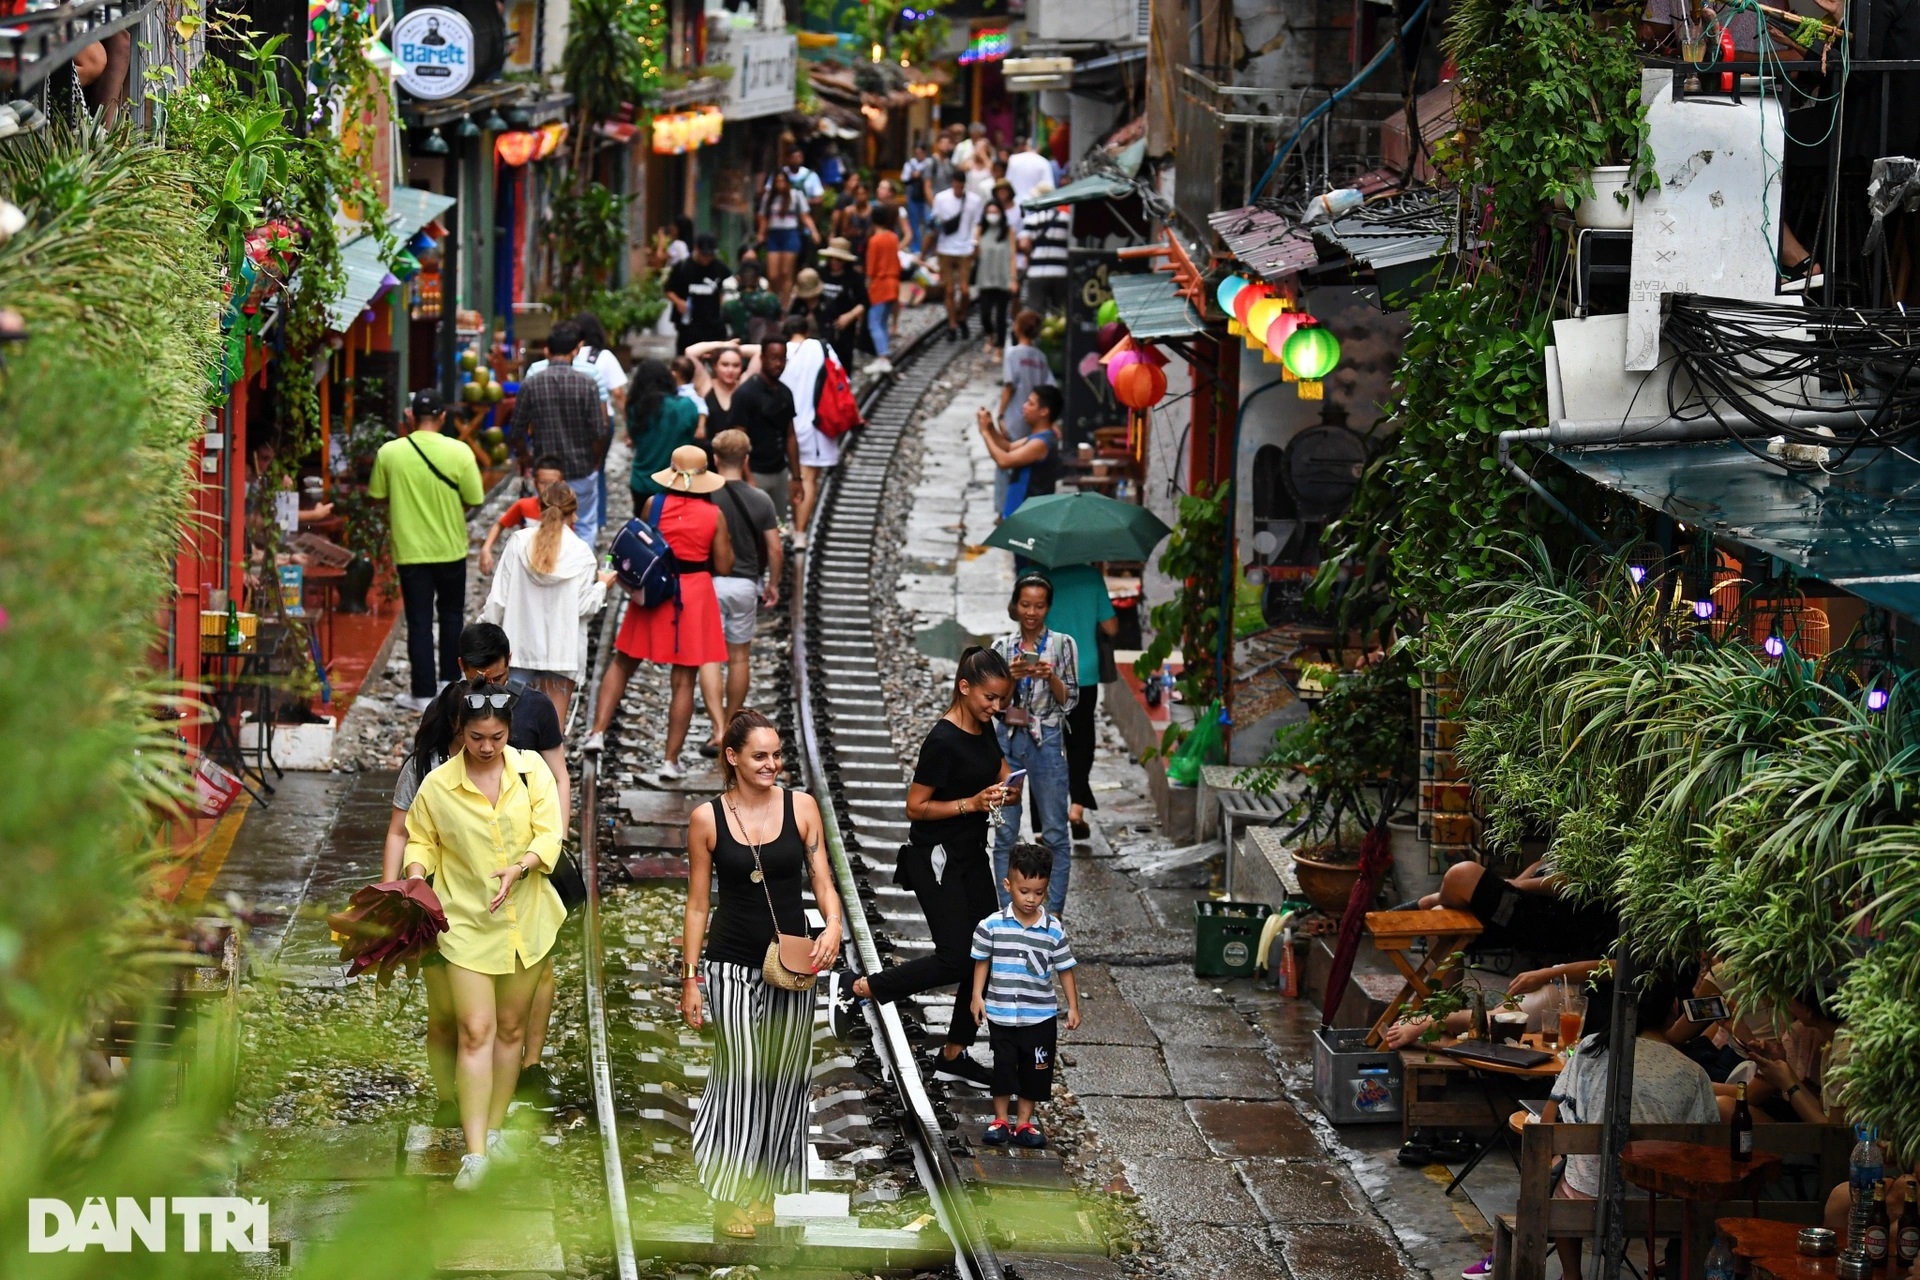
x=974 y=1255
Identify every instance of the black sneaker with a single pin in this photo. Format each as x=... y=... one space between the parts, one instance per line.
x=537 y=1087
x=447 y=1114
x=1028 y=1136
x=998 y=1134
x=962 y=1069
x=966 y=332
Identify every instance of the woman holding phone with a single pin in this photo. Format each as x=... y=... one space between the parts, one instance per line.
x=1045 y=669
x=958 y=788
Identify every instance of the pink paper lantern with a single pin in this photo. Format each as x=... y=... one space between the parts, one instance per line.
x=1121 y=360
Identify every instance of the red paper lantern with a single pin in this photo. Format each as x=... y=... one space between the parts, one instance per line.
x=1122 y=360
x=1140 y=386
x=1244 y=300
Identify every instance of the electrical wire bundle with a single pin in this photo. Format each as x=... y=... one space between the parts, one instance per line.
x=1835 y=379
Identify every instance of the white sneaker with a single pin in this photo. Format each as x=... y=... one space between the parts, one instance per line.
x=473 y=1171
x=799 y=539
x=880 y=364
x=412 y=702
x=670 y=769
x=596 y=742
x=499 y=1150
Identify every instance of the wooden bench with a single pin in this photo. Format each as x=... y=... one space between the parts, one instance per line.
x=1522 y=1239
x=1395 y=932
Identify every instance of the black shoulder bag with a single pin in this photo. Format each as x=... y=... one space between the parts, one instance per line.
x=437 y=473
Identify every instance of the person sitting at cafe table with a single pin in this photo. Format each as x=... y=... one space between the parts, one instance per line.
x=1668 y=1086
x=1535 y=989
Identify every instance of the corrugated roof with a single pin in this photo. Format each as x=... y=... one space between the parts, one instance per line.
x=1858 y=529
x=1099 y=186
x=1151 y=308
x=1266 y=240
x=408 y=210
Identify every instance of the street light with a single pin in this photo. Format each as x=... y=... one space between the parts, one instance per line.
x=435 y=145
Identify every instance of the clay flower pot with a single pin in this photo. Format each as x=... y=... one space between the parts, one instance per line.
x=1327 y=885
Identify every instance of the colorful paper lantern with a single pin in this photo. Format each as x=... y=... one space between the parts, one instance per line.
x=1140 y=386
x=1112 y=334
x=1121 y=360
x=1310 y=355
x=1259 y=316
x=1244 y=300
x=1279 y=330
x=1228 y=290
x=1108 y=313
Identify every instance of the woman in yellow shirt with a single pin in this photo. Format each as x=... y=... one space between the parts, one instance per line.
x=486 y=826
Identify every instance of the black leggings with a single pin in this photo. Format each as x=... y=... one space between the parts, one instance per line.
x=953 y=906
x=1081 y=724
x=993 y=313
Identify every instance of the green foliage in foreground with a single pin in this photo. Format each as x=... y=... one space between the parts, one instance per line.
x=1728 y=805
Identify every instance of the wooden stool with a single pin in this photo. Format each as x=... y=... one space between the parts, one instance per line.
x=1394 y=933
x=1691 y=1172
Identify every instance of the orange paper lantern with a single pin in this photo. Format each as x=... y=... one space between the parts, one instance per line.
x=1140 y=386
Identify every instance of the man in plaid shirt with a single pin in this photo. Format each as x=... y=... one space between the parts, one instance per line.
x=560 y=413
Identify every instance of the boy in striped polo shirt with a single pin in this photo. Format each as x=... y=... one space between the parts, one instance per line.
x=1016 y=952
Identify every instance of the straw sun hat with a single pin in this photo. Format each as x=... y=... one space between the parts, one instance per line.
x=688 y=473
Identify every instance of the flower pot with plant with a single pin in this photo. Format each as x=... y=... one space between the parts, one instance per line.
x=1356 y=754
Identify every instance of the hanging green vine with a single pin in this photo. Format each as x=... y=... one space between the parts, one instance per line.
x=1192 y=617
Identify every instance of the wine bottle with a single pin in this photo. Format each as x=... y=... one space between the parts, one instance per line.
x=1742 y=1139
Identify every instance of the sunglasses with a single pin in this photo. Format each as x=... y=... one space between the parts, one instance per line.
x=498 y=701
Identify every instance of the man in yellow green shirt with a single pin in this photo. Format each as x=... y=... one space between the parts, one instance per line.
x=428 y=481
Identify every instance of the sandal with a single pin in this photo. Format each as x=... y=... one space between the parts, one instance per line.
x=760 y=1216
x=736 y=1224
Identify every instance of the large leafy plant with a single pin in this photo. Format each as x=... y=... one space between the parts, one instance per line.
x=1191 y=619
x=1726 y=803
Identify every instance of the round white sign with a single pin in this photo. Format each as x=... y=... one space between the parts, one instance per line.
x=435 y=49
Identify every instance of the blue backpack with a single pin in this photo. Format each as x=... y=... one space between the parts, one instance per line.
x=644 y=563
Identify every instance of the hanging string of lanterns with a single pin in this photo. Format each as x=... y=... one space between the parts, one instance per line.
x=1282 y=331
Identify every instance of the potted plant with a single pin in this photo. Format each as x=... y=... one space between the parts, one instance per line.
x=1356 y=752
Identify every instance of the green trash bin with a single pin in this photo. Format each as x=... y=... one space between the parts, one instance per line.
x=1226 y=936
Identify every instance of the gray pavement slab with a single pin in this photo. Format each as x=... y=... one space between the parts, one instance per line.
x=1106 y=1016
x=1203 y=1071
x=1188 y=1023
x=1290 y=1192
x=1342 y=1252
x=1125 y=1071
x=1200 y=1252
x=1192 y=1191
x=1140 y=1127
x=1237 y=1128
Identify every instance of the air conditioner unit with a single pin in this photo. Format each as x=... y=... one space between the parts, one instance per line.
x=1035 y=75
x=1089 y=21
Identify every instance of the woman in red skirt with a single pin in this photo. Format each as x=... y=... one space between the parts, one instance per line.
x=681 y=634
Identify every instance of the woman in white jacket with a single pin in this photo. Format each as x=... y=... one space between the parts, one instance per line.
x=544 y=588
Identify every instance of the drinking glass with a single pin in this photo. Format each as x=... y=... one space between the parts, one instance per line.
x=1573 y=1016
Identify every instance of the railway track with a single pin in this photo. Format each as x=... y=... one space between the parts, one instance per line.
x=871 y=1106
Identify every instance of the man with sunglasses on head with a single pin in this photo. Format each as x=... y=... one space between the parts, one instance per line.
x=485 y=655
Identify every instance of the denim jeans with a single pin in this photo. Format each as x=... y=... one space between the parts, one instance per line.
x=1046 y=787
x=589 y=490
x=430 y=592
x=877 y=317
x=917 y=222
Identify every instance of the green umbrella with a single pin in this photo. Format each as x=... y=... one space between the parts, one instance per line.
x=1058 y=529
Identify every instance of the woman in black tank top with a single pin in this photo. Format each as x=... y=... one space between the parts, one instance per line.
x=764 y=845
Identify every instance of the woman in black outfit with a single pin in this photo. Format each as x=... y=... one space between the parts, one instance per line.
x=749 y=1135
x=956 y=785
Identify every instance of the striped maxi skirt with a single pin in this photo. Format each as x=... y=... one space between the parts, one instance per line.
x=750 y=1133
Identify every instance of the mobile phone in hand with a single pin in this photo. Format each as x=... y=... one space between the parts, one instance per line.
x=1015 y=779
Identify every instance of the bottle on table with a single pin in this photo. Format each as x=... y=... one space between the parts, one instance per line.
x=1865 y=1167
x=1742 y=1139
x=1878 y=1228
x=1720 y=1261
x=233 y=627
x=1906 y=1246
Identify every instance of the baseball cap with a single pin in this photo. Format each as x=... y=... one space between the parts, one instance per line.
x=428 y=404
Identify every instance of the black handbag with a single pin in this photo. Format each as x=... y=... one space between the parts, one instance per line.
x=568 y=882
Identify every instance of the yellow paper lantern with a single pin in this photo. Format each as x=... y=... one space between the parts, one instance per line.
x=1262 y=314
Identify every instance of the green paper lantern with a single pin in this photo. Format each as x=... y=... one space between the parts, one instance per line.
x=1310 y=355
x=1109 y=312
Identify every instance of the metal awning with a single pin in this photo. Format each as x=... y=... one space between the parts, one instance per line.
x=1098 y=186
x=1150 y=307
x=1266 y=240
x=408 y=210
x=1858 y=530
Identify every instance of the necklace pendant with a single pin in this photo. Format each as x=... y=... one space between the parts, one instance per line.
x=757 y=877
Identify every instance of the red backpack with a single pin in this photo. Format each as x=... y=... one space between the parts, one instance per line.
x=835 y=411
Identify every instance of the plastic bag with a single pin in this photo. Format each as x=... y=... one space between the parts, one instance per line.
x=1203 y=746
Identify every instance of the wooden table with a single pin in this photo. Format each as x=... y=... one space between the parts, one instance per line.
x=1773 y=1248
x=1394 y=933
x=1420 y=1065
x=1690 y=1172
